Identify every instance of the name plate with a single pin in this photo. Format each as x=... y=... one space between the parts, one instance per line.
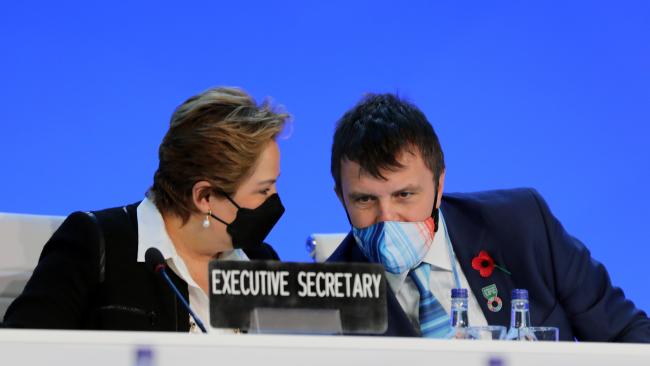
x=357 y=290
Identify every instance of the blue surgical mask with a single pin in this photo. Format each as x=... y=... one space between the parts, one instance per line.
x=399 y=246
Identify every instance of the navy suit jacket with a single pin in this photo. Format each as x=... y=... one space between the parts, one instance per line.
x=567 y=288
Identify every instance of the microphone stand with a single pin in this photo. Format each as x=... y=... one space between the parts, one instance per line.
x=161 y=269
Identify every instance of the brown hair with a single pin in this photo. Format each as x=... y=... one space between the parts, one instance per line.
x=216 y=136
x=380 y=127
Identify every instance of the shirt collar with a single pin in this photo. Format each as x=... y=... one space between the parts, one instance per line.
x=437 y=256
x=152 y=233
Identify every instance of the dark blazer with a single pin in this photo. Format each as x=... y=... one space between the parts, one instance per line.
x=567 y=288
x=88 y=277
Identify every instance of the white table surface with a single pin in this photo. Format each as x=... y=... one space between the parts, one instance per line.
x=48 y=347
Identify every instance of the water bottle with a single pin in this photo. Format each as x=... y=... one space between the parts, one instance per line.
x=458 y=321
x=520 y=317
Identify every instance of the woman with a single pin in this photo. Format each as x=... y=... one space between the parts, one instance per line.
x=213 y=196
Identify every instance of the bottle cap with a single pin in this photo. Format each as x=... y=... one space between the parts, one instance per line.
x=520 y=294
x=144 y=356
x=495 y=361
x=459 y=293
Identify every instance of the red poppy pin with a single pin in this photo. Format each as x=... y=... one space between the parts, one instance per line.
x=485 y=265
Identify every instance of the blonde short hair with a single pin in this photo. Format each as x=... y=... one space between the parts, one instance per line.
x=216 y=136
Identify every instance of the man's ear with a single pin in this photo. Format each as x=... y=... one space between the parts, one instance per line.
x=339 y=195
x=201 y=195
x=440 y=186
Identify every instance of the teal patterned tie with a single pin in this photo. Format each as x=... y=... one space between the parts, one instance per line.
x=434 y=321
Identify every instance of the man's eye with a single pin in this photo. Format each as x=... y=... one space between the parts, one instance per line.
x=405 y=194
x=265 y=191
x=363 y=199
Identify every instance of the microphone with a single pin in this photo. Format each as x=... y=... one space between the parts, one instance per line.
x=155 y=262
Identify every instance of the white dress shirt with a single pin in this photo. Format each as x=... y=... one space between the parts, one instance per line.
x=152 y=233
x=441 y=282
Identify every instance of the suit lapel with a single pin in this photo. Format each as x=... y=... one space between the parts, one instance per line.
x=468 y=237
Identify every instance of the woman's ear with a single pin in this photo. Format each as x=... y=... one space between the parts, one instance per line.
x=201 y=195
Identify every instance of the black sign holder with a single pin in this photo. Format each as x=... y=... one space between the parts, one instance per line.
x=295 y=321
x=298 y=298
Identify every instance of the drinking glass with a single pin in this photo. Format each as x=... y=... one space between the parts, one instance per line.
x=551 y=334
x=488 y=332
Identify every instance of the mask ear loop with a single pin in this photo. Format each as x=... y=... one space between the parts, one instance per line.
x=436 y=212
x=231 y=201
x=218 y=219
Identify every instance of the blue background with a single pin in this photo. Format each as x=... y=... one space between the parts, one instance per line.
x=553 y=95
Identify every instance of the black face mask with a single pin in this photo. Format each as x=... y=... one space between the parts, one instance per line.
x=251 y=226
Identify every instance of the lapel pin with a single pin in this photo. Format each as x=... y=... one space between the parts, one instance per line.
x=485 y=265
x=491 y=294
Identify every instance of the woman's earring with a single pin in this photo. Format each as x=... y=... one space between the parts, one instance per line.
x=206 y=222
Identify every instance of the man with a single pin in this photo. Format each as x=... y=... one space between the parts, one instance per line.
x=389 y=172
